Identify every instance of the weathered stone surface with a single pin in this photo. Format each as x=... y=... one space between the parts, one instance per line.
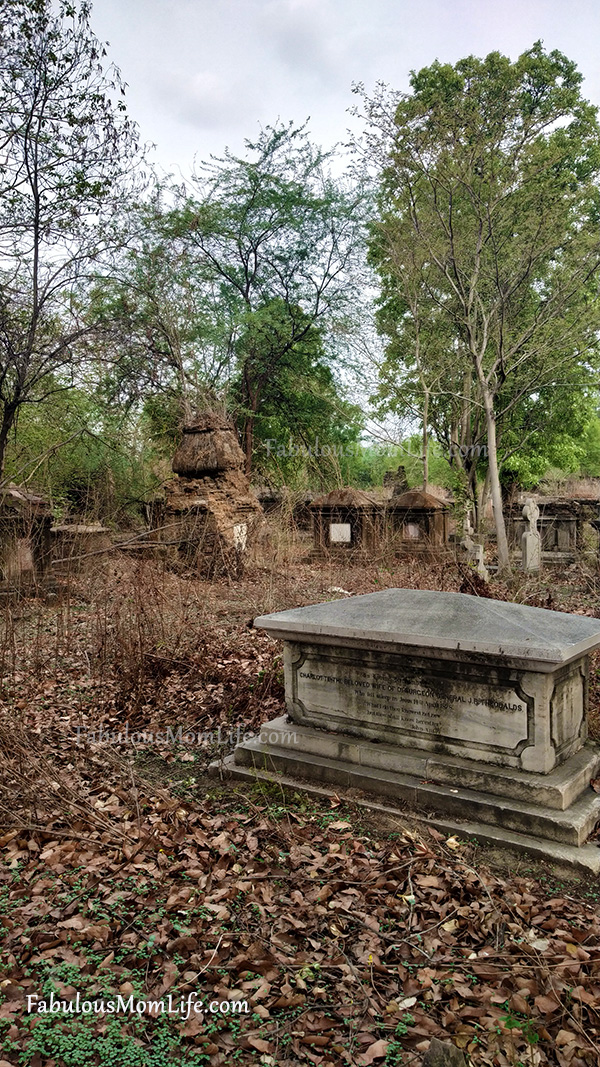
x=208 y=445
x=583 y=859
x=531 y=548
x=561 y=522
x=25 y=521
x=557 y=790
x=210 y=520
x=294 y=756
x=346 y=520
x=209 y=514
x=443 y=1054
x=465 y=706
x=529 y=720
x=442 y=625
x=405 y=700
x=396 y=480
x=419 y=519
x=531 y=541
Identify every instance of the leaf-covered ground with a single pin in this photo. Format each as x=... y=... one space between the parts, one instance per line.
x=352 y=938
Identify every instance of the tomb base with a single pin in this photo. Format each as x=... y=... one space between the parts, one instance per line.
x=548 y=815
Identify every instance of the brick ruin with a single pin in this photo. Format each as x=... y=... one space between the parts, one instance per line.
x=208 y=513
x=25 y=545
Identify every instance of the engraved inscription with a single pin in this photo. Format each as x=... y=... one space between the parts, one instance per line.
x=390 y=704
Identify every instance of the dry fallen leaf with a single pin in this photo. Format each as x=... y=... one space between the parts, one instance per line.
x=376 y=1051
x=565 y=1037
x=259 y=1044
x=213 y=894
x=545 y=1004
x=408 y=1002
x=453 y=842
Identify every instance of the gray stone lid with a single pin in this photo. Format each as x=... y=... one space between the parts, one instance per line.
x=416 y=500
x=427 y=621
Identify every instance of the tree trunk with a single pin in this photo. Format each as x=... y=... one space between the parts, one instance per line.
x=425 y=442
x=465 y=422
x=8 y=419
x=483 y=493
x=472 y=485
x=502 y=542
x=251 y=402
x=248 y=444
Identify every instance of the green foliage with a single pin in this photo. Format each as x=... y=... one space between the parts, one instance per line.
x=395 y=1055
x=303 y=430
x=515 y=1020
x=552 y=430
x=590 y=445
x=240 y=293
x=440 y=471
x=66 y=148
x=84 y=457
x=486 y=243
x=367 y=464
x=163 y=332
x=275 y=238
x=127 y=1041
x=77 y=1044
x=160 y=422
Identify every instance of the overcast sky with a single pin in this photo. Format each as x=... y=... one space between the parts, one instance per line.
x=203 y=74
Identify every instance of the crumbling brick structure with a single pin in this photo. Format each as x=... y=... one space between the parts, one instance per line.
x=208 y=513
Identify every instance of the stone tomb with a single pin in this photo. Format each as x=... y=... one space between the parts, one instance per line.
x=25 y=549
x=531 y=541
x=419 y=519
x=471 y=708
x=346 y=520
x=562 y=526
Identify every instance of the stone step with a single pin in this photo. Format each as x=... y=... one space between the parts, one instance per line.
x=557 y=789
x=572 y=826
x=569 y=858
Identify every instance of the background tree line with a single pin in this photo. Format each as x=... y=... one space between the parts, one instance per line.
x=470 y=213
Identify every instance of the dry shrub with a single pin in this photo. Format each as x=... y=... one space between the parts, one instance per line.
x=50 y=787
x=146 y=625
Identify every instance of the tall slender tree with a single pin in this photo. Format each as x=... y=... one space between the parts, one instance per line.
x=66 y=146
x=493 y=168
x=277 y=238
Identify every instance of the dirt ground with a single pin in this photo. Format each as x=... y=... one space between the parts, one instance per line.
x=352 y=936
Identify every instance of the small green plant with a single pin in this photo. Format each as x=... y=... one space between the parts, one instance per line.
x=395 y=1053
x=514 y=1020
x=77 y=1044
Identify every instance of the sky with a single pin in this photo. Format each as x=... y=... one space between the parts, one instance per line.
x=206 y=74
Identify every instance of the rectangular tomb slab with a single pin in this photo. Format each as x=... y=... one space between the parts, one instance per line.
x=444 y=673
x=457 y=707
x=442 y=625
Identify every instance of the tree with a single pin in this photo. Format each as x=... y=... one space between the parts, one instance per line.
x=275 y=239
x=420 y=375
x=65 y=149
x=305 y=426
x=492 y=169
x=162 y=330
x=84 y=455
